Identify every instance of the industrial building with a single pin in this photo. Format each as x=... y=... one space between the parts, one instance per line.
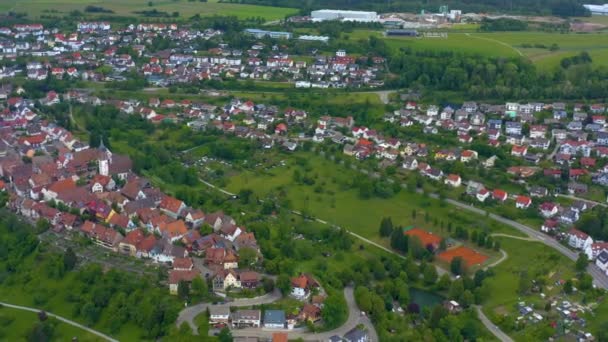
x=309 y=38
x=403 y=33
x=360 y=16
x=272 y=34
x=597 y=9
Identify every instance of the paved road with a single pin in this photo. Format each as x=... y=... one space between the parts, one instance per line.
x=493 y=328
x=188 y=314
x=64 y=320
x=513 y=237
x=584 y=200
x=354 y=318
x=600 y=279
x=497 y=262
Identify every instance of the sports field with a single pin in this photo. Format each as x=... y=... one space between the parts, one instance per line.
x=469 y=256
x=186 y=9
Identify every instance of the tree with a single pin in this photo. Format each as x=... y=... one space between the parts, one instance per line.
x=467 y=298
x=430 y=275
x=363 y=298
x=199 y=287
x=457 y=266
x=581 y=262
x=568 y=288
x=386 y=227
x=41 y=332
x=225 y=335
x=247 y=256
x=437 y=314
x=444 y=282
x=69 y=259
x=183 y=289
x=334 y=311
x=268 y=284
x=284 y=284
x=456 y=289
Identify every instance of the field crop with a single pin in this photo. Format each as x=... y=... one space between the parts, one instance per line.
x=186 y=9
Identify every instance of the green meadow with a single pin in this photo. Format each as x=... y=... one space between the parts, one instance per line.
x=186 y=9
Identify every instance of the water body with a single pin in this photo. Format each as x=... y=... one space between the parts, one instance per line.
x=424 y=298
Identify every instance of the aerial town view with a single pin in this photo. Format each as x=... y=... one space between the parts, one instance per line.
x=321 y=170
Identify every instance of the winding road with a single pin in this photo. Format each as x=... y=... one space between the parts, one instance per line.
x=62 y=319
x=354 y=318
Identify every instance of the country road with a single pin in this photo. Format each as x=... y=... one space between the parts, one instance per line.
x=490 y=326
x=64 y=320
x=599 y=278
x=583 y=199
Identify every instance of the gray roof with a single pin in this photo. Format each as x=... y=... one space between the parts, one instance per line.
x=355 y=334
x=274 y=317
x=603 y=257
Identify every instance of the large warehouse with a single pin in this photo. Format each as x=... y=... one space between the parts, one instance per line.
x=597 y=9
x=361 y=16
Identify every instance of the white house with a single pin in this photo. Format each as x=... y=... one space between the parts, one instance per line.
x=578 y=239
x=482 y=195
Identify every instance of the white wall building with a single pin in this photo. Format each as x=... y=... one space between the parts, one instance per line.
x=343 y=15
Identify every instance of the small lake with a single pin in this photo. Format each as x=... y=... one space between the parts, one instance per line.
x=424 y=298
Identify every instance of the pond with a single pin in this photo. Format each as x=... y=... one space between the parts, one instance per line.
x=424 y=298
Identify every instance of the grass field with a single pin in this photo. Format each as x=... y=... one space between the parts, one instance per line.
x=15 y=325
x=342 y=205
x=505 y=44
x=186 y=9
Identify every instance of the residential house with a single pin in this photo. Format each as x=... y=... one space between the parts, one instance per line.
x=453 y=180
x=500 y=195
x=602 y=262
x=274 y=319
x=176 y=277
x=246 y=319
x=548 y=209
x=219 y=315
x=357 y=335
x=579 y=240
x=523 y=202
x=595 y=249
x=302 y=285
x=172 y=206
x=549 y=226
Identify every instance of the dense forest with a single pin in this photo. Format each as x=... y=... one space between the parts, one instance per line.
x=31 y=274
x=536 y=7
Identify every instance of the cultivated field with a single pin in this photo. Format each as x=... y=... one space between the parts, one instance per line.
x=186 y=9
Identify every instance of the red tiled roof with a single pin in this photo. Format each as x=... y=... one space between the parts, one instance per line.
x=171 y=204
x=176 y=276
x=182 y=263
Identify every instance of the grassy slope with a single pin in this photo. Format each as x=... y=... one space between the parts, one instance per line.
x=126 y=7
x=23 y=321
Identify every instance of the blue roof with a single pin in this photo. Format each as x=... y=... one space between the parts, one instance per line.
x=274 y=317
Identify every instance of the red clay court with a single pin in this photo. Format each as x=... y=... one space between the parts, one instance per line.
x=469 y=256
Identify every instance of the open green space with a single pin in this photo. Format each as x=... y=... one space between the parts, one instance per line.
x=504 y=44
x=15 y=325
x=517 y=273
x=333 y=198
x=186 y=9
